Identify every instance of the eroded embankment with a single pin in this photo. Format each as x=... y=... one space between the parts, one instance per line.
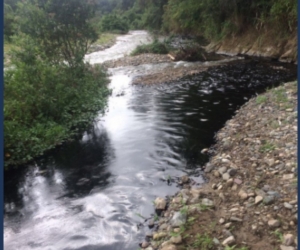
x=253 y=43
x=250 y=199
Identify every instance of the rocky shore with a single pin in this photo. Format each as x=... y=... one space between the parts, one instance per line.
x=250 y=199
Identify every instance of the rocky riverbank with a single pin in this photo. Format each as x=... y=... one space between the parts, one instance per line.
x=250 y=199
x=170 y=73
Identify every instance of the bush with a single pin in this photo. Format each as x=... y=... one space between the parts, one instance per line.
x=156 y=48
x=114 y=24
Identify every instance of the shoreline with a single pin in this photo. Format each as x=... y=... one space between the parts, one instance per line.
x=250 y=199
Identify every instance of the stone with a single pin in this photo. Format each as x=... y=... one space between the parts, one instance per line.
x=176 y=239
x=226 y=176
x=160 y=203
x=196 y=193
x=268 y=200
x=169 y=247
x=232 y=172
x=287 y=205
x=233 y=218
x=258 y=199
x=216 y=241
x=145 y=244
x=163 y=226
x=228 y=241
x=243 y=195
x=151 y=223
x=221 y=221
x=159 y=235
x=288 y=176
x=238 y=181
x=208 y=168
x=178 y=219
x=216 y=173
x=273 y=223
x=207 y=202
x=185 y=179
x=222 y=170
x=283 y=247
x=288 y=239
x=228 y=225
x=234 y=187
x=260 y=192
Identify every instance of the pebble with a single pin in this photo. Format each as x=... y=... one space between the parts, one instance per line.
x=169 y=247
x=233 y=218
x=232 y=172
x=273 y=223
x=288 y=239
x=176 y=239
x=178 y=219
x=287 y=205
x=228 y=241
x=209 y=168
x=207 y=202
x=159 y=235
x=238 y=181
x=258 y=199
x=160 y=203
x=222 y=170
x=268 y=200
x=283 y=247
x=145 y=244
x=221 y=221
x=243 y=195
x=226 y=176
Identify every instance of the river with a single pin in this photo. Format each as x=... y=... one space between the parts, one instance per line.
x=92 y=193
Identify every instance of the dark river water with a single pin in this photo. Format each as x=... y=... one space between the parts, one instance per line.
x=91 y=193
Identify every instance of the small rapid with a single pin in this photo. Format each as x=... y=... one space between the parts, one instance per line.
x=94 y=192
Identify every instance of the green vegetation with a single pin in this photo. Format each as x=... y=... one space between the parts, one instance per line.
x=156 y=47
x=261 y=99
x=203 y=242
x=50 y=93
x=267 y=147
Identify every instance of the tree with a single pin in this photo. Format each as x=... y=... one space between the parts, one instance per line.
x=60 y=28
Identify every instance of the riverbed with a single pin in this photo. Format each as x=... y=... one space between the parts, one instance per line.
x=94 y=192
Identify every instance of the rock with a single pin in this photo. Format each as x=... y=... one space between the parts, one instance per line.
x=209 y=167
x=232 y=172
x=151 y=223
x=258 y=199
x=169 y=247
x=145 y=244
x=163 y=226
x=235 y=219
x=288 y=176
x=160 y=203
x=159 y=235
x=282 y=247
x=268 y=200
x=260 y=192
x=273 y=223
x=243 y=195
x=288 y=239
x=287 y=205
x=207 y=202
x=203 y=151
x=221 y=221
x=176 y=239
x=228 y=241
x=222 y=170
x=238 y=181
x=226 y=176
x=178 y=219
x=185 y=179
x=216 y=241
x=196 y=193
x=216 y=173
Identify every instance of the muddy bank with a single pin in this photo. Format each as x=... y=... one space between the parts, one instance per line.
x=254 y=44
x=250 y=199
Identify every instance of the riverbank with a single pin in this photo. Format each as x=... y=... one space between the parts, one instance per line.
x=250 y=198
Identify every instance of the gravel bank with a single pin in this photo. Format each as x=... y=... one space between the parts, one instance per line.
x=250 y=199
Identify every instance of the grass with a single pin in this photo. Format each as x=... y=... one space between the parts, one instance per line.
x=267 y=147
x=261 y=99
x=204 y=242
x=278 y=234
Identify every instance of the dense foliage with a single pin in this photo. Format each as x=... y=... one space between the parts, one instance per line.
x=49 y=91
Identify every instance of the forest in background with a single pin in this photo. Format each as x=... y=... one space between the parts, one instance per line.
x=49 y=90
